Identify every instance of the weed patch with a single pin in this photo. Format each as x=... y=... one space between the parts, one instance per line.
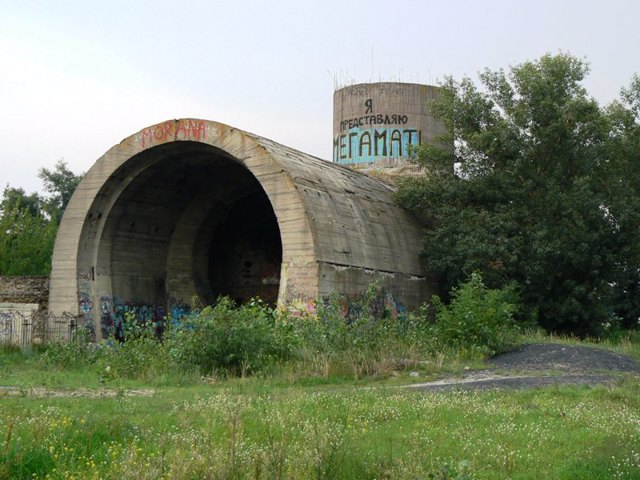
x=306 y=433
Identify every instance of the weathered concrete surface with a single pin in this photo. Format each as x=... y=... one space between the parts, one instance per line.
x=375 y=123
x=193 y=208
x=25 y=290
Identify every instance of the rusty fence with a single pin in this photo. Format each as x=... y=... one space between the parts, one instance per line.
x=38 y=328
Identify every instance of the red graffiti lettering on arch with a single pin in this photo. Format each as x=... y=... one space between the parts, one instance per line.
x=190 y=130
x=173 y=130
x=158 y=133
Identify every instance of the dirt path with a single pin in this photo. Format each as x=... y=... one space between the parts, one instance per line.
x=542 y=364
x=74 y=392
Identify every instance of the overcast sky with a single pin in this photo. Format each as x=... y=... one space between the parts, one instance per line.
x=76 y=77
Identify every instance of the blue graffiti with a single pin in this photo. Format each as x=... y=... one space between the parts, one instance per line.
x=179 y=311
x=371 y=144
x=140 y=313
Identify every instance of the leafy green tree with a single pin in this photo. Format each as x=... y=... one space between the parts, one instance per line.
x=620 y=184
x=17 y=197
x=26 y=242
x=539 y=189
x=59 y=183
x=28 y=223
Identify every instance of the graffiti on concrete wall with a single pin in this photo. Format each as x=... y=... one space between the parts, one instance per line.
x=179 y=310
x=375 y=303
x=376 y=120
x=85 y=303
x=114 y=315
x=368 y=145
x=184 y=129
x=302 y=309
x=106 y=316
x=139 y=312
x=374 y=136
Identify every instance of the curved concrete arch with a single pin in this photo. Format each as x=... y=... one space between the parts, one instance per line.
x=192 y=207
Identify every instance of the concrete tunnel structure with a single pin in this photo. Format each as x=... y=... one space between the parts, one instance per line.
x=193 y=208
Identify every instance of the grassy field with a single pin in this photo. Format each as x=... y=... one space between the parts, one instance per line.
x=286 y=426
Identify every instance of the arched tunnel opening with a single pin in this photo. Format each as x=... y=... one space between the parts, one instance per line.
x=191 y=208
x=183 y=220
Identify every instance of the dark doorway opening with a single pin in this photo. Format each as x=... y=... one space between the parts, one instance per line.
x=245 y=254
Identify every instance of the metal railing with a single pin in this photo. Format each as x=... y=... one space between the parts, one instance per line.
x=39 y=328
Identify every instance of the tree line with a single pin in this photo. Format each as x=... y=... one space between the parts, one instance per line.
x=536 y=187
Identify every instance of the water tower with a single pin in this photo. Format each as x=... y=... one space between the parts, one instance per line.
x=374 y=124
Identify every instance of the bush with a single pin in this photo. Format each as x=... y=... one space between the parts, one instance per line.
x=339 y=336
x=141 y=355
x=231 y=340
x=361 y=336
x=477 y=318
x=73 y=353
x=363 y=323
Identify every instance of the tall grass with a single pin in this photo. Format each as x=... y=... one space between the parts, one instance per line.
x=560 y=433
x=316 y=344
x=225 y=341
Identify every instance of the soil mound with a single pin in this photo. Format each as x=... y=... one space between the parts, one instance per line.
x=542 y=364
x=553 y=356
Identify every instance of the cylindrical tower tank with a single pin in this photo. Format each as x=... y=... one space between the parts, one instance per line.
x=374 y=123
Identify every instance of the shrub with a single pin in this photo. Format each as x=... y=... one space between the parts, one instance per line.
x=477 y=317
x=76 y=352
x=141 y=355
x=231 y=340
x=363 y=323
x=361 y=336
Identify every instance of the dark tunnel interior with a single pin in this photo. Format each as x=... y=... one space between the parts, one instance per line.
x=245 y=253
x=189 y=221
